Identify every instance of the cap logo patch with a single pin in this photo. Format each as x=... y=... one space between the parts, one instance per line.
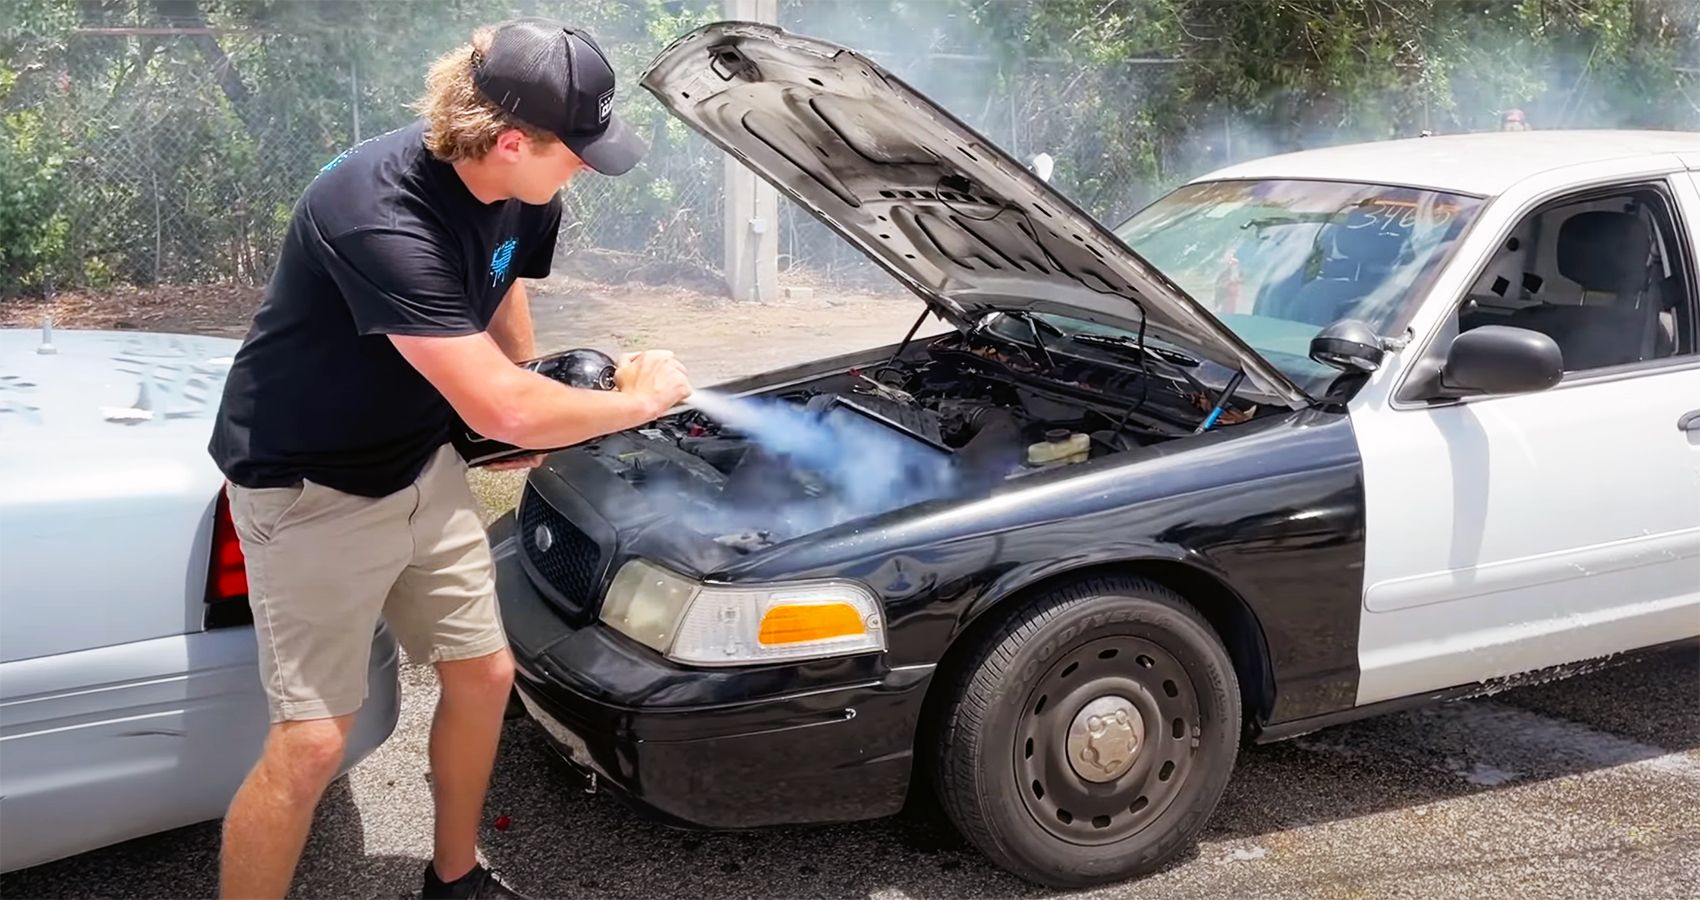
x=605 y=106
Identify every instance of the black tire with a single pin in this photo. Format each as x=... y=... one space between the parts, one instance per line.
x=1003 y=769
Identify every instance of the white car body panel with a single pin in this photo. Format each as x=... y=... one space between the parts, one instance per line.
x=104 y=745
x=92 y=483
x=1513 y=533
x=1528 y=531
x=121 y=713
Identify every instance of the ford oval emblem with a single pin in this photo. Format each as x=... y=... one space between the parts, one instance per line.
x=544 y=538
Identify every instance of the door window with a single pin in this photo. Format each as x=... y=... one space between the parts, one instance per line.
x=1603 y=275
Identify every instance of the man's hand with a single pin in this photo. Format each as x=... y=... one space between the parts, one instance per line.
x=655 y=373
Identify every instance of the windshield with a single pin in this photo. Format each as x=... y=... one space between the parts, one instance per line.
x=1277 y=261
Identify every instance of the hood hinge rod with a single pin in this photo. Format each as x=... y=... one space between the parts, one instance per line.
x=925 y=312
x=1221 y=402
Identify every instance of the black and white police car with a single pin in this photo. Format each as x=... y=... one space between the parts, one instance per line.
x=1305 y=440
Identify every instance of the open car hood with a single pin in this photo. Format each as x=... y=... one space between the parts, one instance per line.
x=940 y=207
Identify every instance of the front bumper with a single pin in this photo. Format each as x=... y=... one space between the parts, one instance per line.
x=826 y=741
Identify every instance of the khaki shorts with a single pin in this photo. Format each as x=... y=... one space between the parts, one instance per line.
x=323 y=566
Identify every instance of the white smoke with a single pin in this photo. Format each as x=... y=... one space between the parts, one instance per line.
x=861 y=468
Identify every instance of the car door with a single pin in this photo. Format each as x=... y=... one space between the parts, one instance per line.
x=1516 y=532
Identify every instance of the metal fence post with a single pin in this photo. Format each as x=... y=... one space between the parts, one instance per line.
x=752 y=205
x=1011 y=84
x=153 y=175
x=354 y=89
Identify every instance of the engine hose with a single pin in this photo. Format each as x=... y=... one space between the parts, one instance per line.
x=994 y=447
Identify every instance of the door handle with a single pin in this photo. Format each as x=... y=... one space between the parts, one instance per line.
x=1690 y=421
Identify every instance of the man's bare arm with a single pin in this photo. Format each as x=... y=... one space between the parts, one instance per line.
x=502 y=401
x=511 y=326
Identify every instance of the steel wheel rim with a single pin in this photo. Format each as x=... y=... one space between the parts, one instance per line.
x=1151 y=682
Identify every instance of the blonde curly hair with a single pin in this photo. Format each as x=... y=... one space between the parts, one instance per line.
x=461 y=125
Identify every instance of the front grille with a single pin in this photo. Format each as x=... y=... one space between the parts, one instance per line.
x=572 y=564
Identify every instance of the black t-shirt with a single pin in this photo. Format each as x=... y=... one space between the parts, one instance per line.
x=386 y=240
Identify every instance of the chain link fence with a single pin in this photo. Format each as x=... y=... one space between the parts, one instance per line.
x=166 y=142
x=149 y=191
x=1109 y=159
x=671 y=232
x=158 y=176
x=161 y=194
x=166 y=190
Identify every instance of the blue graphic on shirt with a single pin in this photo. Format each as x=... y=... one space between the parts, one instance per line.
x=338 y=159
x=501 y=260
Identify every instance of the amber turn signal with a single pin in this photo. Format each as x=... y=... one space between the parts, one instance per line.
x=794 y=623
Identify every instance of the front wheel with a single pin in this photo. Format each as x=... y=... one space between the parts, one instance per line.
x=1090 y=738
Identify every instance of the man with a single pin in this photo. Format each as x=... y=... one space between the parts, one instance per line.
x=395 y=303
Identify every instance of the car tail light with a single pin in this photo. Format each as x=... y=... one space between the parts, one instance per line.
x=227 y=572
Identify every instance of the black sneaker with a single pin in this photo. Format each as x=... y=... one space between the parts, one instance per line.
x=480 y=882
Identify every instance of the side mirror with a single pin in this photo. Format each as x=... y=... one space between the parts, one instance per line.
x=1348 y=345
x=1500 y=359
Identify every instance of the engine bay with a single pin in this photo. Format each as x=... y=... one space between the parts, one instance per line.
x=950 y=418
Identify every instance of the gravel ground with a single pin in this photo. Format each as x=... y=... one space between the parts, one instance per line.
x=1581 y=788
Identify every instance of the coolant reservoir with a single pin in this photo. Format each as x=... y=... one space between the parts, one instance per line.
x=1060 y=446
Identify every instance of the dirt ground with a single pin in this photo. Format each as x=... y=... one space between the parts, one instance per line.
x=716 y=338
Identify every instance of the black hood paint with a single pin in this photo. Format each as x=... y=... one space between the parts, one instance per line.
x=945 y=211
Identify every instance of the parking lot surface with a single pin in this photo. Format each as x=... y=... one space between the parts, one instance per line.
x=1587 y=787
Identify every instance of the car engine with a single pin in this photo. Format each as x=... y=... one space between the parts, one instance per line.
x=957 y=418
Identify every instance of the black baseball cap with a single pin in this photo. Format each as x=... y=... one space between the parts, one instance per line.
x=556 y=78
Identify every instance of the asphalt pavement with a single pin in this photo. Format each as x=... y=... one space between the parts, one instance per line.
x=1587 y=787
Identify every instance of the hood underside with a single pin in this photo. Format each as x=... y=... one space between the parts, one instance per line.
x=941 y=208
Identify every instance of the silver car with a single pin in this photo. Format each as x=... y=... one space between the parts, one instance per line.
x=130 y=700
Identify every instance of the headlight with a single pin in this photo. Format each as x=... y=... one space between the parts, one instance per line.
x=645 y=603
x=719 y=625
